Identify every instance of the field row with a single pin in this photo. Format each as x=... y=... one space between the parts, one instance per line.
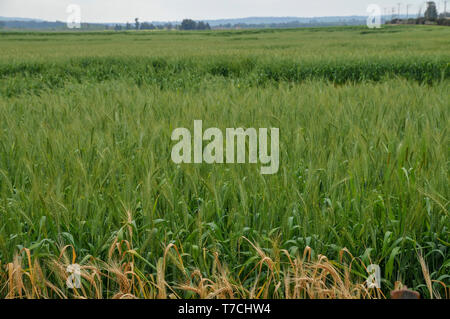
x=18 y=78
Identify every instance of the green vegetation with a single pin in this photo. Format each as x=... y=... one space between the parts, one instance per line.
x=21 y=78
x=85 y=145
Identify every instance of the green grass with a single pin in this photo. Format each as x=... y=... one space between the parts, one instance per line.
x=300 y=44
x=22 y=78
x=85 y=147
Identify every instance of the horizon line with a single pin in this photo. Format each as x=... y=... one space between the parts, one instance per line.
x=208 y=19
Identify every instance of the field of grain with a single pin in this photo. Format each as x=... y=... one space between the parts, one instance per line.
x=86 y=175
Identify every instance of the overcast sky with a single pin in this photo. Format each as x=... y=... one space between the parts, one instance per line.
x=165 y=10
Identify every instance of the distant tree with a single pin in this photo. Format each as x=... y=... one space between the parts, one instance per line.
x=203 y=26
x=2 y=24
x=137 y=23
x=431 y=12
x=169 y=26
x=188 y=24
x=147 y=26
x=118 y=27
x=128 y=26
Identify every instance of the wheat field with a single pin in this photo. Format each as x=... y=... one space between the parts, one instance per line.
x=86 y=175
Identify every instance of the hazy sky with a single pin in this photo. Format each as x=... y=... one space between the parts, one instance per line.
x=163 y=10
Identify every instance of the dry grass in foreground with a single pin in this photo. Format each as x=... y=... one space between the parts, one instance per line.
x=118 y=278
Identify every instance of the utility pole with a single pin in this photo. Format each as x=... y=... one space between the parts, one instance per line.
x=398 y=12
x=445 y=9
x=407 y=11
x=419 y=14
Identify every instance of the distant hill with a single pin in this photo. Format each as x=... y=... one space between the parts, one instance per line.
x=18 y=19
x=249 y=22
x=272 y=20
x=279 y=20
x=38 y=24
